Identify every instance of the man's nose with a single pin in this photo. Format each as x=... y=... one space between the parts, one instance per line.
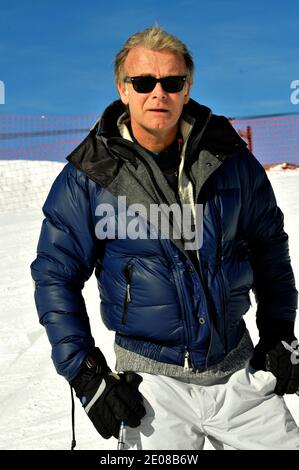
x=159 y=91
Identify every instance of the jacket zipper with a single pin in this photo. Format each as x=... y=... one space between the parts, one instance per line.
x=128 y=298
x=177 y=277
x=161 y=194
x=220 y=271
x=224 y=309
x=186 y=361
x=184 y=309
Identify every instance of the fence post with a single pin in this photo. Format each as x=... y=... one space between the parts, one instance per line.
x=249 y=138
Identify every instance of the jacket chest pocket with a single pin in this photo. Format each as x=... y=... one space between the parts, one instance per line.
x=128 y=271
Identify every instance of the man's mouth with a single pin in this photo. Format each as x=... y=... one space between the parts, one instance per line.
x=159 y=110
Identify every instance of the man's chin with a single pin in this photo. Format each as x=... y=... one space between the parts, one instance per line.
x=160 y=125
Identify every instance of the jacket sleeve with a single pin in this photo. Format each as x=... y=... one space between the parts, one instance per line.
x=263 y=225
x=65 y=260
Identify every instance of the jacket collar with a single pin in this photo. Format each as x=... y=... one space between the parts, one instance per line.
x=103 y=150
x=209 y=131
x=107 y=125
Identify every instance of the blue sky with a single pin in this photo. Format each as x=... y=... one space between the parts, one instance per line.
x=56 y=57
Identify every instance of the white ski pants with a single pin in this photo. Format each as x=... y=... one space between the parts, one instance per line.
x=239 y=412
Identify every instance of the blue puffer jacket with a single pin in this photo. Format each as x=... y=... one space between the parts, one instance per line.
x=152 y=296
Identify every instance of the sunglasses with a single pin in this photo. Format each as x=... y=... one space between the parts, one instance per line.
x=146 y=83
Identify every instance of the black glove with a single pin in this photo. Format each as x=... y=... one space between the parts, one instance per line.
x=283 y=362
x=108 y=398
x=279 y=356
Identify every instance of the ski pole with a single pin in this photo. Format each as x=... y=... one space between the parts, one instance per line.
x=120 y=441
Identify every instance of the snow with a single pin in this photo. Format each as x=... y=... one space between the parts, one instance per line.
x=35 y=401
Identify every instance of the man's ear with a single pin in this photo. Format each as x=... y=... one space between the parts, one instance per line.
x=123 y=92
x=187 y=92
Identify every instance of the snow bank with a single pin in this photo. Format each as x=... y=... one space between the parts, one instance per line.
x=25 y=184
x=282 y=166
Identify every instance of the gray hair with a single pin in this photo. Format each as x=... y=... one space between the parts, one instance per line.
x=154 y=38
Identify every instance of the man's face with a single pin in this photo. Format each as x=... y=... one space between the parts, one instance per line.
x=156 y=112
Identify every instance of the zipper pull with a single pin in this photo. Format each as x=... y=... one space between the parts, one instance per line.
x=129 y=299
x=186 y=361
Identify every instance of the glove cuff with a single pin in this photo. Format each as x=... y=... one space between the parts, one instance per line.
x=271 y=334
x=93 y=365
x=273 y=331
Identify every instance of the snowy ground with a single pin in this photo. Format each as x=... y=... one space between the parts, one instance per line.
x=35 y=401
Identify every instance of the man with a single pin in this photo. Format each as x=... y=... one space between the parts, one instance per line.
x=175 y=302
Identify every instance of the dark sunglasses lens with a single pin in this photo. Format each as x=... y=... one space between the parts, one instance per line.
x=144 y=84
x=172 y=84
x=169 y=84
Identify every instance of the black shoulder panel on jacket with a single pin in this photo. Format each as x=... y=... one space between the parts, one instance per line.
x=108 y=123
x=219 y=136
x=210 y=132
x=93 y=159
